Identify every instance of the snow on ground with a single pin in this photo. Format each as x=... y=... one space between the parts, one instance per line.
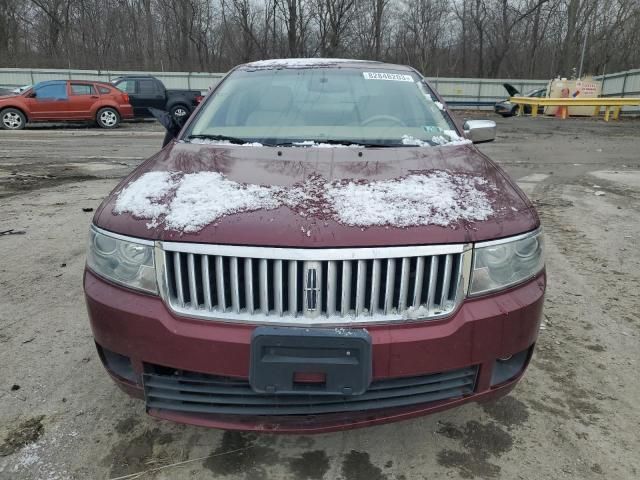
x=192 y=201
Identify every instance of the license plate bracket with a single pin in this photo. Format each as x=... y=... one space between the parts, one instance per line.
x=279 y=355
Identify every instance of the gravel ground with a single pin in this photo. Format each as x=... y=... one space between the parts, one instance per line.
x=575 y=414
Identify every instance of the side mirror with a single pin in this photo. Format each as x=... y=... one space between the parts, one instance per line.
x=479 y=131
x=32 y=95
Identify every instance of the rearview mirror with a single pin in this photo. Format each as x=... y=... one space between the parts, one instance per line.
x=479 y=131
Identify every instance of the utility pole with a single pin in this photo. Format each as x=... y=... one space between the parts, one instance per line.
x=584 y=47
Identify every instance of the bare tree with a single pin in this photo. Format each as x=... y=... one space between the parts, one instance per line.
x=439 y=37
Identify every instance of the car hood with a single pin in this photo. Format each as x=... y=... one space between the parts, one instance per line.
x=287 y=168
x=511 y=90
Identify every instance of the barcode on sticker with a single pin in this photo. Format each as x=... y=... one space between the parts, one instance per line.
x=397 y=77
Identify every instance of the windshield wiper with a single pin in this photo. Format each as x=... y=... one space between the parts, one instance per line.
x=239 y=141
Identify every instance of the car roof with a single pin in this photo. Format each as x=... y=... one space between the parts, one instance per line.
x=133 y=77
x=50 y=82
x=279 y=63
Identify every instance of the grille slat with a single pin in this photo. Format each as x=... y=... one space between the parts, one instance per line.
x=345 y=300
x=375 y=287
x=222 y=301
x=177 y=268
x=404 y=284
x=352 y=288
x=293 y=288
x=433 y=285
x=235 y=286
x=277 y=287
x=446 y=281
x=361 y=281
x=206 y=282
x=417 y=289
x=264 y=285
x=390 y=284
x=191 y=273
x=248 y=284
x=332 y=285
x=193 y=392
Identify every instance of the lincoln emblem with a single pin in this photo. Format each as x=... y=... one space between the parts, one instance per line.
x=312 y=285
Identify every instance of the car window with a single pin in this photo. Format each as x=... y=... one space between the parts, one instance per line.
x=55 y=91
x=296 y=105
x=104 y=90
x=146 y=87
x=82 y=89
x=128 y=86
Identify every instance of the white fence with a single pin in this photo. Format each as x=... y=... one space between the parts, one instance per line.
x=16 y=77
x=479 y=92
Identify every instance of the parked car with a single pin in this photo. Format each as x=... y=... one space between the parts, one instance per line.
x=5 y=91
x=321 y=247
x=508 y=109
x=147 y=92
x=65 y=100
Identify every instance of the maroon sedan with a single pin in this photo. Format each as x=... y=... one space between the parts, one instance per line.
x=321 y=247
x=65 y=100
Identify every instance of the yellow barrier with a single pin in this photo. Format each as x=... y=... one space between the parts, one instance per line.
x=613 y=103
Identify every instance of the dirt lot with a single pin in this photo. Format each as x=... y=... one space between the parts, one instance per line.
x=575 y=415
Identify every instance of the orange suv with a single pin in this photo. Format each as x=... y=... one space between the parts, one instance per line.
x=66 y=100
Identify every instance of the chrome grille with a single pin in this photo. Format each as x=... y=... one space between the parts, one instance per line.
x=304 y=286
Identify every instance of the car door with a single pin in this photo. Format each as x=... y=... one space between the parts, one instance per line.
x=49 y=101
x=150 y=94
x=82 y=96
x=129 y=86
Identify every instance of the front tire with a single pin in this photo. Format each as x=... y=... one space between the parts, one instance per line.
x=108 y=117
x=12 y=119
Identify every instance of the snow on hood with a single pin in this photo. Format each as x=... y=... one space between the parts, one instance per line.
x=189 y=202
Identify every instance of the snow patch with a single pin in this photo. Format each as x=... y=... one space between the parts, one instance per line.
x=446 y=137
x=194 y=200
x=298 y=62
x=410 y=140
x=201 y=198
x=311 y=143
x=209 y=141
x=438 y=198
x=450 y=137
x=145 y=198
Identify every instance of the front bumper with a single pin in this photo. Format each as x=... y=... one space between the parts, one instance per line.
x=481 y=331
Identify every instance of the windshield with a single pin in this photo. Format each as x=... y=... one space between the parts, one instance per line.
x=311 y=106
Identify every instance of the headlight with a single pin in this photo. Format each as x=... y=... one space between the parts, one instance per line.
x=127 y=262
x=500 y=264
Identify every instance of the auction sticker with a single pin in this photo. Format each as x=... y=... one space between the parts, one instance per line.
x=397 y=77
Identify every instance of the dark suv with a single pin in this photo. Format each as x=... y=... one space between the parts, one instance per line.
x=322 y=247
